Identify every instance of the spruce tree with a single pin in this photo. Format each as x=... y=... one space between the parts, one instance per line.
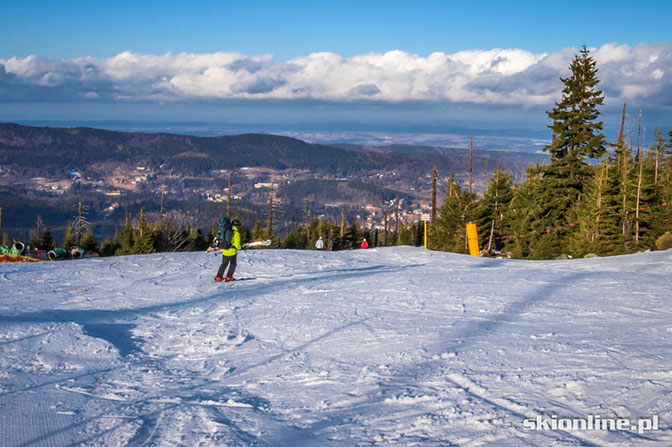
x=662 y=210
x=196 y=241
x=297 y=239
x=520 y=214
x=577 y=135
x=108 y=248
x=69 y=240
x=144 y=237
x=89 y=242
x=449 y=232
x=47 y=242
x=489 y=211
x=125 y=241
x=257 y=231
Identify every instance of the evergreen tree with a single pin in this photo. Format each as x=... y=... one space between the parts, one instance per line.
x=125 y=240
x=297 y=239
x=257 y=232
x=47 y=241
x=456 y=211
x=353 y=236
x=577 y=135
x=590 y=214
x=196 y=242
x=144 y=237
x=519 y=215
x=108 y=248
x=490 y=210
x=69 y=240
x=89 y=242
x=662 y=209
x=36 y=239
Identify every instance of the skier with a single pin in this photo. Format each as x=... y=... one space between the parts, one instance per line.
x=229 y=240
x=319 y=244
x=365 y=244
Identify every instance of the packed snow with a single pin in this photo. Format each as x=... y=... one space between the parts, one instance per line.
x=395 y=347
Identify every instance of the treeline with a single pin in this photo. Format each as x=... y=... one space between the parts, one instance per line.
x=142 y=235
x=620 y=202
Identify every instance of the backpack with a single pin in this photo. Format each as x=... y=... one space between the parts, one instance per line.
x=225 y=234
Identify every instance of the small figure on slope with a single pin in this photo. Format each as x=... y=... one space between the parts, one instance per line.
x=229 y=241
x=319 y=245
x=365 y=244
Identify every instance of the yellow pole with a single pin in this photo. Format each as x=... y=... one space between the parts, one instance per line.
x=472 y=236
x=425 y=235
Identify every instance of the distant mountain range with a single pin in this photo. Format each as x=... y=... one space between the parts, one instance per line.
x=40 y=150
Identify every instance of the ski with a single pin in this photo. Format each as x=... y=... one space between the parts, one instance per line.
x=239 y=279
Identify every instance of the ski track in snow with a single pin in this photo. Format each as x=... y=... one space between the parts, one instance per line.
x=395 y=346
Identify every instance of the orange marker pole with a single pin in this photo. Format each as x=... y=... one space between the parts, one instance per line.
x=472 y=236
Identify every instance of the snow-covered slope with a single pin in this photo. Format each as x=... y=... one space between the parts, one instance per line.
x=393 y=346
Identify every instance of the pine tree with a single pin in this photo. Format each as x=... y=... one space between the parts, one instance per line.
x=577 y=135
x=125 y=240
x=144 y=237
x=108 y=248
x=520 y=214
x=353 y=236
x=449 y=232
x=195 y=240
x=489 y=211
x=650 y=203
x=257 y=232
x=590 y=210
x=36 y=237
x=89 y=242
x=662 y=209
x=297 y=239
x=69 y=240
x=48 y=242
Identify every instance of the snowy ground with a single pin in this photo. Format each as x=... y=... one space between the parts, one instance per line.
x=391 y=346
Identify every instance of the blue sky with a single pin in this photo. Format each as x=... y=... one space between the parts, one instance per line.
x=288 y=29
x=389 y=64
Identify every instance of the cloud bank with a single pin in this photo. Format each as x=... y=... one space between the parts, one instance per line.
x=497 y=77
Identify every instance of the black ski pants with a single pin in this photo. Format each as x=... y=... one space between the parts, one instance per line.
x=228 y=261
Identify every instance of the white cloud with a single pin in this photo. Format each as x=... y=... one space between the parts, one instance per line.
x=497 y=76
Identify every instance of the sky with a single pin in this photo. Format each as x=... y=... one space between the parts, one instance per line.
x=328 y=69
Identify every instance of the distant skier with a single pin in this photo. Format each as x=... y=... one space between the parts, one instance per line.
x=319 y=245
x=365 y=244
x=228 y=239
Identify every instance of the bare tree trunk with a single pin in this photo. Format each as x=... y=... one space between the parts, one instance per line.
x=492 y=231
x=162 y=212
x=471 y=158
x=434 y=175
x=386 y=225
x=397 y=219
x=307 y=220
x=639 y=179
x=79 y=223
x=604 y=172
x=228 y=200
x=270 y=213
x=658 y=139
